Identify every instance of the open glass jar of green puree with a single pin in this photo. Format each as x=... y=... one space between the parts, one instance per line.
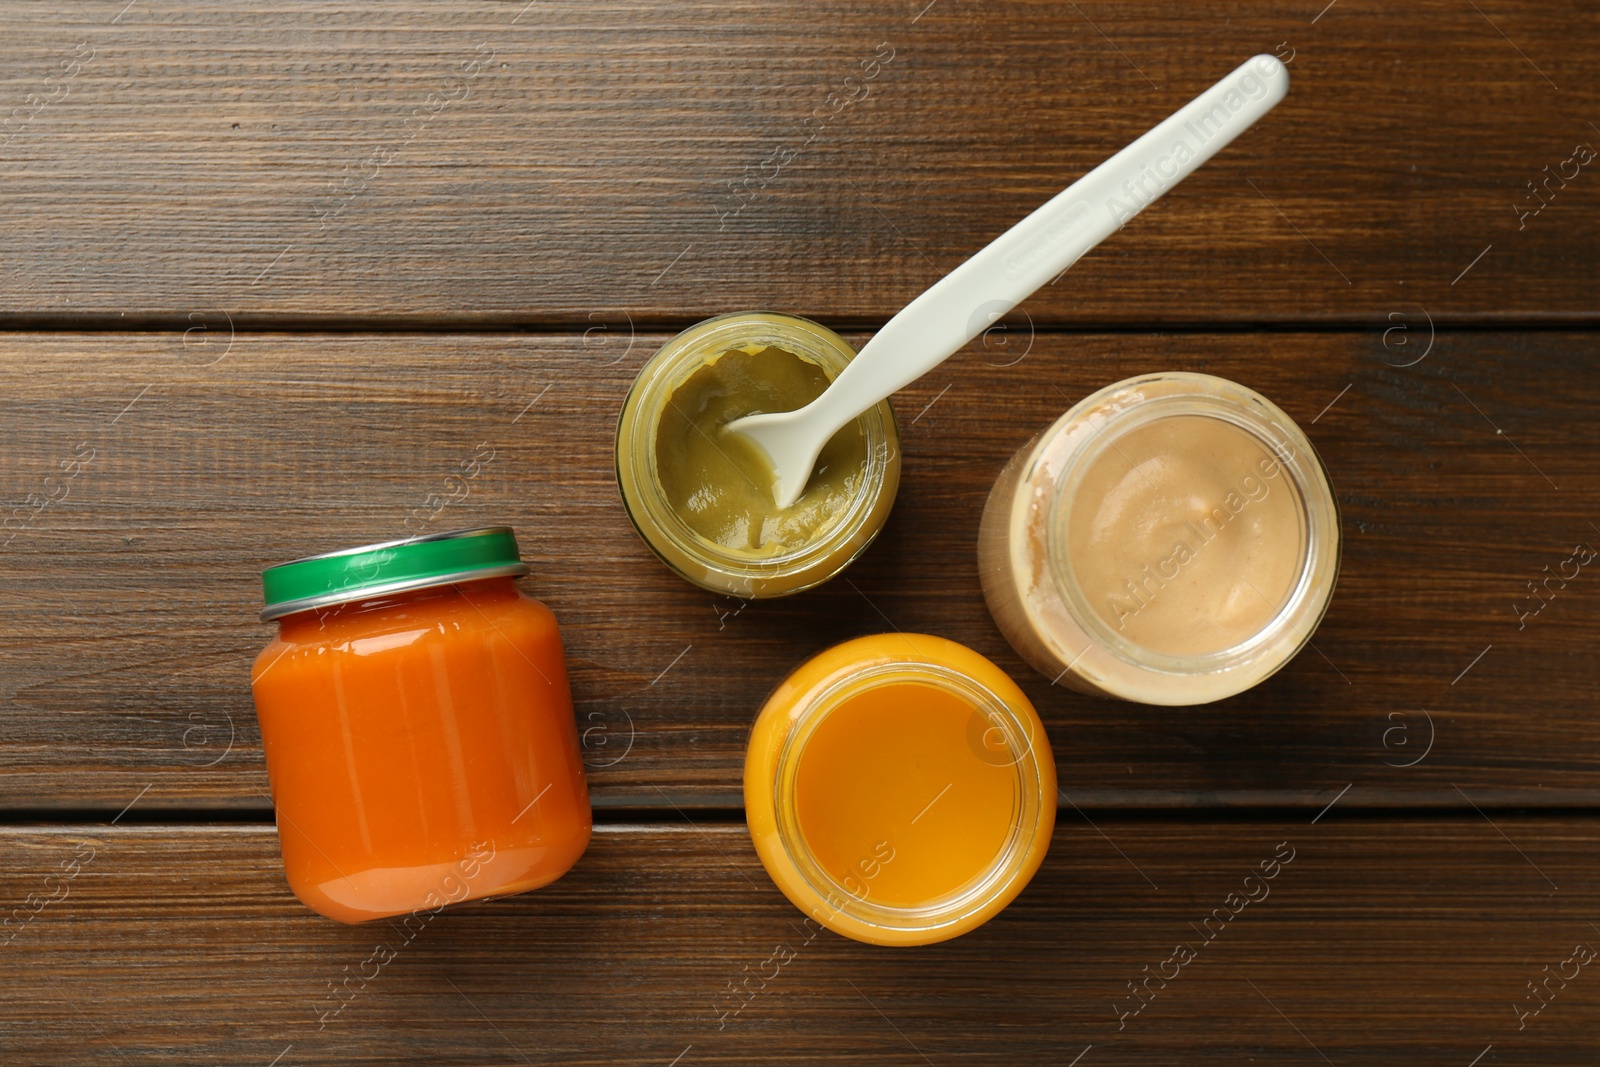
x=701 y=497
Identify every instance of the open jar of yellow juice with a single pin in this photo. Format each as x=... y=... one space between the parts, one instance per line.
x=701 y=497
x=900 y=789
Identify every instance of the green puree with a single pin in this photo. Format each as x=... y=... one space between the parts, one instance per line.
x=720 y=484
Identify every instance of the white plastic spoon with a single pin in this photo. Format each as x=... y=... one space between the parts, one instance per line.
x=968 y=300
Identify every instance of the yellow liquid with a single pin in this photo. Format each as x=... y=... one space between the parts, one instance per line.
x=720 y=484
x=905 y=793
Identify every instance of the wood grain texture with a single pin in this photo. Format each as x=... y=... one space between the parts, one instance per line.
x=581 y=162
x=191 y=179
x=1404 y=941
x=129 y=606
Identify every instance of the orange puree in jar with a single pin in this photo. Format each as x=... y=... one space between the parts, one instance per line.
x=900 y=789
x=896 y=764
x=421 y=745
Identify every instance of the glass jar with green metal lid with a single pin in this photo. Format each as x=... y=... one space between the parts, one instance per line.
x=418 y=727
x=701 y=497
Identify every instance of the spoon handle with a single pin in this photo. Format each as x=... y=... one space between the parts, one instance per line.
x=968 y=300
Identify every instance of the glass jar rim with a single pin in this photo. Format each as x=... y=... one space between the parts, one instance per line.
x=1118 y=425
x=977 y=893
x=1074 y=441
x=667 y=369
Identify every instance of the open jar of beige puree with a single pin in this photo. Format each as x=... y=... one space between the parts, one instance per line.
x=702 y=497
x=1172 y=539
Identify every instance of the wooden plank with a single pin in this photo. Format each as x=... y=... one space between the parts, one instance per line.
x=1378 y=942
x=562 y=162
x=129 y=607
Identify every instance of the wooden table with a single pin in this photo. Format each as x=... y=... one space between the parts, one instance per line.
x=270 y=270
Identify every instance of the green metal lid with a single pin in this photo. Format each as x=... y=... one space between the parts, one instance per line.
x=390 y=567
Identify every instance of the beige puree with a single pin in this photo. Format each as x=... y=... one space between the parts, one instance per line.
x=1184 y=536
x=1172 y=539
